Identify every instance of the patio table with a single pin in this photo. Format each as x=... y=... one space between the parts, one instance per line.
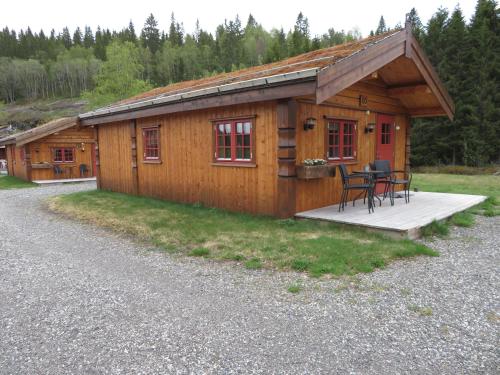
x=371 y=173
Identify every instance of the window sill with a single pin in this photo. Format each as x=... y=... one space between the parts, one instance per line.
x=234 y=164
x=151 y=161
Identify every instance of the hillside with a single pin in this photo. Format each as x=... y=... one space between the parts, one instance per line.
x=24 y=115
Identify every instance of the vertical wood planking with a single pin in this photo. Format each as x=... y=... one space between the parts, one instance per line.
x=186 y=172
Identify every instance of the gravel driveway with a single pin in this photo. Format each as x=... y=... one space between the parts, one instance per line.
x=78 y=299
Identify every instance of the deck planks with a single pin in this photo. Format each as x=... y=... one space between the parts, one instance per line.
x=402 y=219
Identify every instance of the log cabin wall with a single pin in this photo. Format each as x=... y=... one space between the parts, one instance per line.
x=115 y=161
x=187 y=172
x=312 y=143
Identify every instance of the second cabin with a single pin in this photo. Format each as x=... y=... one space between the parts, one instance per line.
x=237 y=141
x=58 y=150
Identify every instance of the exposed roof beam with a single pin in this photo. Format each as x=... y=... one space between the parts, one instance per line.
x=431 y=78
x=408 y=90
x=427 y=112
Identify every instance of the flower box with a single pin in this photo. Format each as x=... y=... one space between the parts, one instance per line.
x=309 y=172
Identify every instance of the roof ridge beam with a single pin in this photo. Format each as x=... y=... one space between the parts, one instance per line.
x=348 y=71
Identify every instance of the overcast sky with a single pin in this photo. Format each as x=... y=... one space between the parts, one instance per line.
x=339 y=14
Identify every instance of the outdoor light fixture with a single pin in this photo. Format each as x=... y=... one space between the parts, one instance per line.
x=310 y=123
x=369 y=127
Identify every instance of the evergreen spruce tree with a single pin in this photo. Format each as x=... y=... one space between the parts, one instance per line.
x=99 y=45
x=77 y=37
x=381 y=28
x=482 y=144
x=150 y=35
x=66 y=38
x=88 y=38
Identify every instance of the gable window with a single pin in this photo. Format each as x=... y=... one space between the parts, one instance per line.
x=341 y=140
x=151 y=143
x=234 y=141
x=63 y=155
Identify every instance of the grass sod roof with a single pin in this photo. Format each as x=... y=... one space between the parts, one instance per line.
x=41 y=131
x=314 y=60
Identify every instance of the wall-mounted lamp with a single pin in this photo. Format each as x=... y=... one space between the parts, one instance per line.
x=310 y=123
x=369 y=128
x=368 y=112
x=397 y=127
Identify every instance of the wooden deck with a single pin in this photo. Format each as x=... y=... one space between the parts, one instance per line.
x=402 y=220
x=63 y=181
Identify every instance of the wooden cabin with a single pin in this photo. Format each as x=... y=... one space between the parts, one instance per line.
x=236 y=140
x=57 y=150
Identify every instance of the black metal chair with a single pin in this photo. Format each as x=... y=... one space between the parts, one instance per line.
x=58 y=171
x=405 y=181
x=83 y=170
x=384 y=177
x=365 y=187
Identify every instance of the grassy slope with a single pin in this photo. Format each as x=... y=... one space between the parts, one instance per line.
x=315 y=247
x=40 y=111
x=9 y=182
x=488 y=185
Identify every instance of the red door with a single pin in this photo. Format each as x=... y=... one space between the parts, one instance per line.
x=385 y=141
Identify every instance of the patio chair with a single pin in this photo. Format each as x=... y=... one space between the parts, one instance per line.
x=58 y=171
x=83 y=170
x=382 y=178
x=365 y=187
x=405 y=181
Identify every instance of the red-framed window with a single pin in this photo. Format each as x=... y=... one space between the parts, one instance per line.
x=63 y=155
x=234 y=141
x=341 y=139
x=151 y=143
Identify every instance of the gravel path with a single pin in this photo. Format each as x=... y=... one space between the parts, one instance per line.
x=78 y=299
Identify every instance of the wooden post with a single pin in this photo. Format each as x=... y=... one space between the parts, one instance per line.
x=407 y=145
x=27 y=158
x=133 y=142
x=96 y=155
x=287 y=178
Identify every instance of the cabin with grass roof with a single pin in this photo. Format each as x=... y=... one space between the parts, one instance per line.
x=238 y=140
x=59 y=150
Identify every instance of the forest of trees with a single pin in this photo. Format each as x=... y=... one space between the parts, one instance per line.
x=35 y=65
x=105 y=66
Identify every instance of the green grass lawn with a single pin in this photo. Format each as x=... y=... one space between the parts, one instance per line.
x=9 y=182
x=488 y=185
x=255 y=241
